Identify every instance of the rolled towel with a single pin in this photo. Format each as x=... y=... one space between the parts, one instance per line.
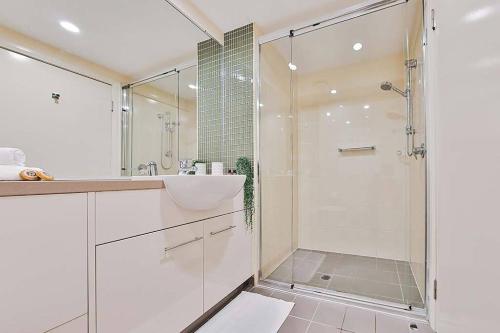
x=12 y=156
x=11 y=172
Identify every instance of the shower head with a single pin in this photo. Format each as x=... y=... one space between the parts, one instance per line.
x=386 y=85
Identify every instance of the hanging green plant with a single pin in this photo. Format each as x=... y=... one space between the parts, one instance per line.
x=244 y=167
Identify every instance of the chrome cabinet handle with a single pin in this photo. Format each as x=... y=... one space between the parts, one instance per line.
x=182 y=244
x=213 y=233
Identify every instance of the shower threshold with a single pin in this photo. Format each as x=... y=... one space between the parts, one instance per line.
x=373 y=280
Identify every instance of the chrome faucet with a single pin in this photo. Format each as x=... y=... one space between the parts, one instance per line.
x=186 y=167
x=152 y=168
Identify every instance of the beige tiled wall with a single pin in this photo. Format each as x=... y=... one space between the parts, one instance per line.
x=353 y=203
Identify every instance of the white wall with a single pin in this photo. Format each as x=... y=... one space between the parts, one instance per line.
x=71 y=138
x=465 y=163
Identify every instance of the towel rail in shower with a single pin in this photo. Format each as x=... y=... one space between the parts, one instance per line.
x=343 y=150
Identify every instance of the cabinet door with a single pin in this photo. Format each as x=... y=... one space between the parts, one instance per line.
x=228 y=256
x=43 y=256
x=150 y=283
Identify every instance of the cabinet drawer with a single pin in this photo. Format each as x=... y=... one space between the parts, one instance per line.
x=122 y=214
x=228 y=256
x=150 y=283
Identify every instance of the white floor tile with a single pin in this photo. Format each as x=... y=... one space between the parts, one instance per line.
x=330 y=313
x=359 y=321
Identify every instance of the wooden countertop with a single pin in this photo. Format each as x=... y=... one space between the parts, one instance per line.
x=15 y=188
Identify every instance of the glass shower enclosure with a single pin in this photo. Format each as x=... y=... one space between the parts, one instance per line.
x=159 y=122
x=342 y=158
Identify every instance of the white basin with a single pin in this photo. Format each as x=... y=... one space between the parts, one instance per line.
x=203 y=192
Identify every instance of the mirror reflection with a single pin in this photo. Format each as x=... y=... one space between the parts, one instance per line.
x=106 y=88
x=162 y=119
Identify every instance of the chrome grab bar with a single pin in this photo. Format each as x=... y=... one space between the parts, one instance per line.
x=343 y=150
x=182 y=244
x=213 y=233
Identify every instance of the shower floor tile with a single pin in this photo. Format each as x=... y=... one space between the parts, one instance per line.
x=384 y=279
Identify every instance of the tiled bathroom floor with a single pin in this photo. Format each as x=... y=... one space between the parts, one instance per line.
x=312 y=315
x=384 y=279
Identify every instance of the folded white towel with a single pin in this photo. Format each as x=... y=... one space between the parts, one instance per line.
x=11 y=172
x=12 y=156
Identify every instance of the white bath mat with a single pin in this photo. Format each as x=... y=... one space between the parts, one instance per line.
x=249 y=313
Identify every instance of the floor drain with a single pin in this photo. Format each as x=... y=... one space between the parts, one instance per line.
x=413 y=327
x=325 y=277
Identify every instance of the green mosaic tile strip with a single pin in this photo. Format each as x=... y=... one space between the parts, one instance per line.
x=225 y=106
x=210 y=116
x=238 y=95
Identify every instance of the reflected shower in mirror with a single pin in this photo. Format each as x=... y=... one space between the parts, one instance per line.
x=162 y=116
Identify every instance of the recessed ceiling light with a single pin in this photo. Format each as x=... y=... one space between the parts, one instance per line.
x=479 y=14
x=292 y=66
x=348 y=122
x=366 y=107
x=192 y=86
x=18 y=56
x=341 y=106
x=69 y=27
x=328 y=114
x=357 y=46
x=261 y=105
x=333 y=91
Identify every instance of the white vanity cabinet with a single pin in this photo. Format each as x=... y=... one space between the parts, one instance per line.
x=159 y=267
x=43 y=256
x=227 y=256
x=150 y=283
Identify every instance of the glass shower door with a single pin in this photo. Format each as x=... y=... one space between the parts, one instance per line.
x=276 y=164
x=154 y=128
x=353 y=175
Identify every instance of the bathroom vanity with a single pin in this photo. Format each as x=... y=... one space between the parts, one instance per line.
x=115 y=257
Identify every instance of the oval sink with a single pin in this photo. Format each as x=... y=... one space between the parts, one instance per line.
x=203 y=192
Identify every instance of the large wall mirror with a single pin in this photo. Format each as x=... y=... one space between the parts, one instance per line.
x=98 y=89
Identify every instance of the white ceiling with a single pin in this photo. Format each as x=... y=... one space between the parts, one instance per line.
x=142 y=38
x=268 y=15
x=134 y=38
x=382 y=34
